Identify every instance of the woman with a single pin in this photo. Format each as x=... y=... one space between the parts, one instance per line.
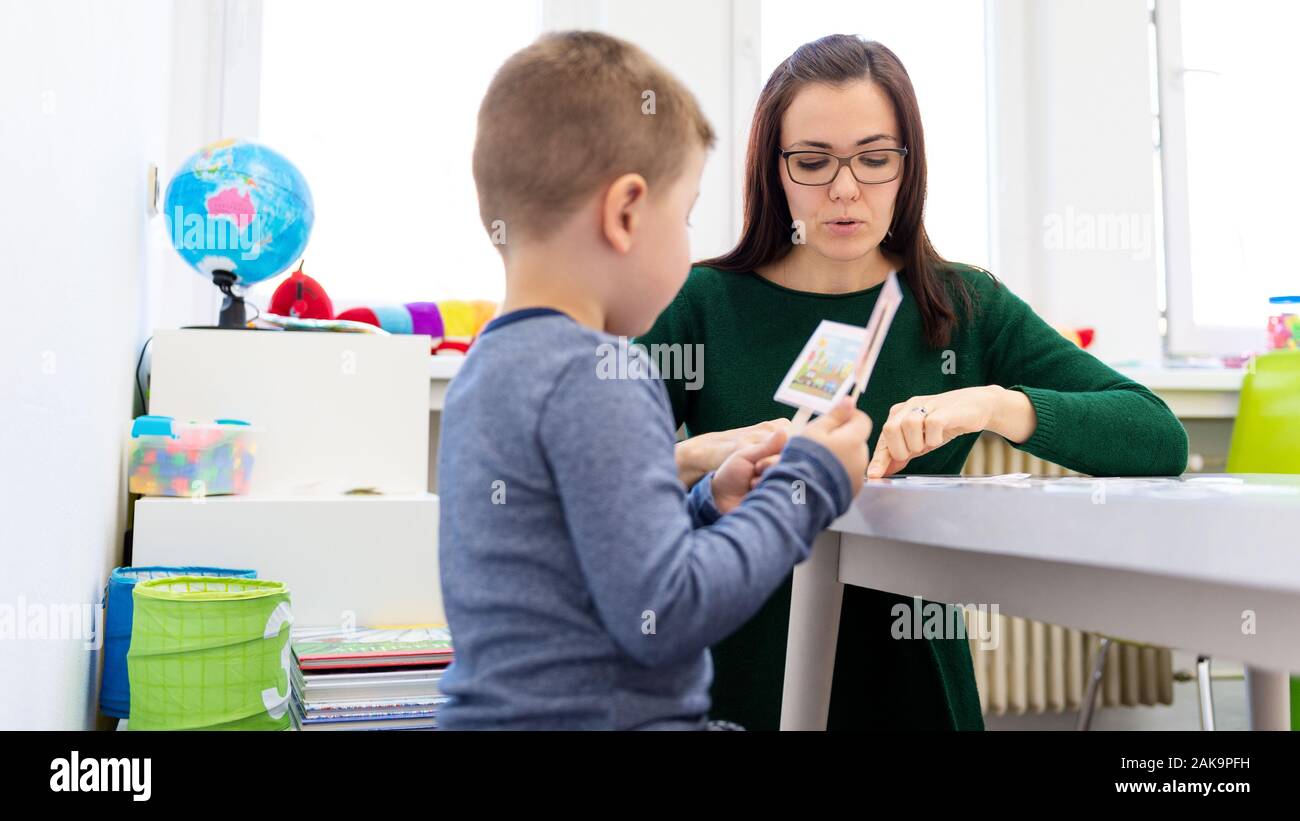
x=834 y=195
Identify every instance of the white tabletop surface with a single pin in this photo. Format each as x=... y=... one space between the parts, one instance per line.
x=1239 y=529
x=1165 y=378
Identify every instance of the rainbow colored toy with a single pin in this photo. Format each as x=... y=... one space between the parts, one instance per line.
x=461 y=323
x=451 y=324
x=411 y=318
x=166 y=458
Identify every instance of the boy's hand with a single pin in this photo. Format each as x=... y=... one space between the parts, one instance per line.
x=733 y=478
x=705 y=452
x=844 y=425
x=844 y=432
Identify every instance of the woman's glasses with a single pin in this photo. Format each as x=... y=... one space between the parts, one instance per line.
x=870 y=167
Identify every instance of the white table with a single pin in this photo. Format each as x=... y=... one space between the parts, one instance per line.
x=1175 y=564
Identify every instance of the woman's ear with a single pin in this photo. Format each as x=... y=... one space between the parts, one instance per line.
x=622 y=211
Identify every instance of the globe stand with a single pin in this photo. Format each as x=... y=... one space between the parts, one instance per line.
x=233 y=314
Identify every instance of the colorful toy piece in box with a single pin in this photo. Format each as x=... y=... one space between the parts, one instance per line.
x=452 y=324
x=170 y=458
x=302 y=297
x=115 y=692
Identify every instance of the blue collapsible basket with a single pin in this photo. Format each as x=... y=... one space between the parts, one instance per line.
x=115 y=690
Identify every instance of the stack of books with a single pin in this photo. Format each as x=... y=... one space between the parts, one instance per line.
x=369 y=678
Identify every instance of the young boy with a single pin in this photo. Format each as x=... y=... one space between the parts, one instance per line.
x=583 y=585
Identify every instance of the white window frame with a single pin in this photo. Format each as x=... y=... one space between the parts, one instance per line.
x=1183 y=336
x=239 y=72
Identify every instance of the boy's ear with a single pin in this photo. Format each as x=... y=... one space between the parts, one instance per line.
x=621 y=213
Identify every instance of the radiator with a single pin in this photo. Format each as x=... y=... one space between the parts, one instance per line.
x=1031 y=667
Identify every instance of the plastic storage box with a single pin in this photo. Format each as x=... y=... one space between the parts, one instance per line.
x=1284 y=324
x=170 y=458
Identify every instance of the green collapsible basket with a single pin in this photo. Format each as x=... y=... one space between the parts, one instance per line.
x=210 y=653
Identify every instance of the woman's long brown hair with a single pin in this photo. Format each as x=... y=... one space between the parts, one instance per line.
x=837 y=60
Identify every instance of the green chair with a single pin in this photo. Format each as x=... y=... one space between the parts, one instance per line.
x=1266 y=436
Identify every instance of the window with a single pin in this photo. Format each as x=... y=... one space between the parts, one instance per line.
x=1230 y=168
x=376 y=104
x=946 y=64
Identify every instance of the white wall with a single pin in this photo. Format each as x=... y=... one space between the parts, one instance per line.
x=84 y=109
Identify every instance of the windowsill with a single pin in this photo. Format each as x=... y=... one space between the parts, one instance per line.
x=441 y=371
x=1160 y=377
x=444 y=367
x=1191 y=392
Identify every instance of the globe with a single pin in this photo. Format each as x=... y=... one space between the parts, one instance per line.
x=238 y=212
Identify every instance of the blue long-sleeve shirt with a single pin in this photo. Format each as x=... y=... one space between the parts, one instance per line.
x=583 y=585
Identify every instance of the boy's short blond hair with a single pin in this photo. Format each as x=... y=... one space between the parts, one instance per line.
x=569 y=114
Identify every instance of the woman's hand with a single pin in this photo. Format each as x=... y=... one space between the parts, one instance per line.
x=704 y=453
x=924 y=423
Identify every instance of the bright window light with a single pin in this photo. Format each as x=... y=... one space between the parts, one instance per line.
x=376 y=103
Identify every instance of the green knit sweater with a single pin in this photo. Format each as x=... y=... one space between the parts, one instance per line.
x=1091 y=419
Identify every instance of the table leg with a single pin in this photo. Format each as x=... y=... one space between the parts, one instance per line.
x=814 y=630
x=1268 y=699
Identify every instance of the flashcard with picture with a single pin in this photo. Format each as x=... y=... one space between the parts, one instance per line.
x=838 y=357
x=824 y=370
